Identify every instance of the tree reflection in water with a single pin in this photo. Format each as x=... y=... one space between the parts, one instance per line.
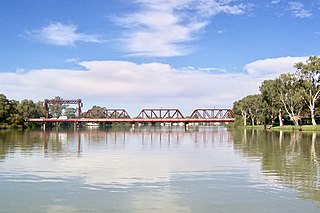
x=292 y=158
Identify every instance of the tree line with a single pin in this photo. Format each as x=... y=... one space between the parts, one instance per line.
x=14 y=113
x=290 y=95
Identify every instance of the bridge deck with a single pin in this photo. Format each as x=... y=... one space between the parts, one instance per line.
x=132 y=120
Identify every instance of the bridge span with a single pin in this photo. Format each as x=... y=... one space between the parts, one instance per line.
x=146 y=116
x=104 y=115
x=131 y=120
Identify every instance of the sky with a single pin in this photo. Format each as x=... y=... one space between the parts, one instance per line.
x=136 y=54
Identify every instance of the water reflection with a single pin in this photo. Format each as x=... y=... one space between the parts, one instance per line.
x=127 y=150
x=62 y=143
x=289 y=158
x=159 y=169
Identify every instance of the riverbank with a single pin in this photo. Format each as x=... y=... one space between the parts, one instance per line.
x=294 y=128
x=285 y=128
x=8 y=126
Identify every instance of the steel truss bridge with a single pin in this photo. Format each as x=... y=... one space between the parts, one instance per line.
x=145 y=116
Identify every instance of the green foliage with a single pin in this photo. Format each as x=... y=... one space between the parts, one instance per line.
x=40 y=112
x=4 y=108
x=56 y=110
x=250 y=107
x=70 y=112
x=27 y=109
x=238 y=121
x=97 y=112
x=271 y=99
x=13 y=113
x=291 y=92
x=309 y=78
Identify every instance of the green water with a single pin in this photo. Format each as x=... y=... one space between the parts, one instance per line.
x=167 y=169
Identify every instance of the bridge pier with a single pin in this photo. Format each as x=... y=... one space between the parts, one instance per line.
x=75 y=126
x=186 y=126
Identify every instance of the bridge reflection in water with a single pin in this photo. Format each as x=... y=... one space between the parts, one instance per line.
x=162 y=137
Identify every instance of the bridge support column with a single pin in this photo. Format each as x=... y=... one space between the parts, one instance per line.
x=186 y=126
x=76 y=125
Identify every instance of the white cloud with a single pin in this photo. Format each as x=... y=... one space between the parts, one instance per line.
x=204 y=69
x=222 y=31
x=61 y=35
x=134 y=86
x=273 y=67
x=72 y=60
x=163 y=28
x=275 y=1
x=298 y=10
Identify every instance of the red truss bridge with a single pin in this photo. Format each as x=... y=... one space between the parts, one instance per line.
x=145 y=116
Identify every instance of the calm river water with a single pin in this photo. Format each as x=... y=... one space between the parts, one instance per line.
x=206 y=169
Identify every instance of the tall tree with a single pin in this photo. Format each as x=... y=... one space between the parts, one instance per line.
x=40 y=112
x=249 y=107
x=254 y=106
x=27 y=109
x=4 y=108
x=240 y=108
x=309 y=74
x=271 y=96
x=291 y=91
x=13 y=116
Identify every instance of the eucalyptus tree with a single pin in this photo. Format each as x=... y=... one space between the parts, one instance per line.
x=290 y=93
x=240 y=108
x=249 y=107
x=309 y=74
x=271 y=97
x=255 y=108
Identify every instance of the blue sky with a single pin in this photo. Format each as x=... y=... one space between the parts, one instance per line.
x=151 y=53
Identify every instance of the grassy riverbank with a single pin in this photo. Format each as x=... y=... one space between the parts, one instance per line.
x=294 y=128
x=286 y=127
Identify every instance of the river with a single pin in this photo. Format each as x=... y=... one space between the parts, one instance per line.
x=159 y=169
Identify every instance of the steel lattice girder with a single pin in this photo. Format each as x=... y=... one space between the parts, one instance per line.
x=117 y=113
x=160 y=113
x=212 y=113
